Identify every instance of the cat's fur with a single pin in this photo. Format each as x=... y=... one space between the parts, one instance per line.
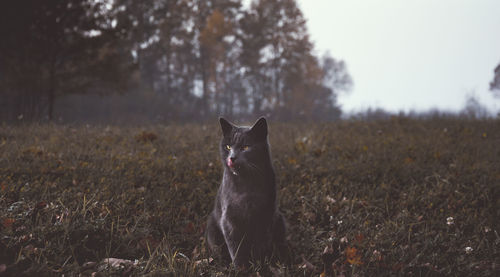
x=245 y=224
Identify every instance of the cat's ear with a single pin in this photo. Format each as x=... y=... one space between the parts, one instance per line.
x=226 y=126
x=259 y=129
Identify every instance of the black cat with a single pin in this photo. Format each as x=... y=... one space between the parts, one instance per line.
x=245 y=224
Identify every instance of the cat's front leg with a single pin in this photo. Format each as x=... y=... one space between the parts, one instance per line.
x=238 y=243
x=215 y=239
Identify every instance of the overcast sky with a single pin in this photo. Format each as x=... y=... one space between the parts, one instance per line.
x=410 y=54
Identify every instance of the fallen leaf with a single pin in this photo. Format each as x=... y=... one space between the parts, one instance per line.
x=204 y=261
x=310 y=216
x=307 y=265
x=88 y=265
x=118 y=263
x=377 y=256
x=330 y=199
x=145 y=137
x=189 y=229
x=41 y=205
x=352 y=256
x=408 y=160
x=359 y=238
x=7 y=222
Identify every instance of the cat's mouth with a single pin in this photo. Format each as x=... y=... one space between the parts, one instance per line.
x=232 y=166
x=234 y=169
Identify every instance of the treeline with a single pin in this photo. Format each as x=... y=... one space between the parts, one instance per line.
x=163 y=59
x=472 y=110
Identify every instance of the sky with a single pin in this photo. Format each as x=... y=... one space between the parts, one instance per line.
x=410 y=54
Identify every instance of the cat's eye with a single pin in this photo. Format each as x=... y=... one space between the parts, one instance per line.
x=228 y=147
x=244 y=148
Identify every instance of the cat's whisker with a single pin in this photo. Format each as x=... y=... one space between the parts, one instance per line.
x=256 y=168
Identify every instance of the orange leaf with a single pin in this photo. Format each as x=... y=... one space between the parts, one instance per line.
x=41 y=205
x=189 y=228
x=359 y=238
x=352 y=256
x=7 y=222
x=408 y=160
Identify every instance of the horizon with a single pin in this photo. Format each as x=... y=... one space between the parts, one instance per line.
x=400 y=62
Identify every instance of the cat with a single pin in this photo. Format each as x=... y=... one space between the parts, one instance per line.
x=245 y=224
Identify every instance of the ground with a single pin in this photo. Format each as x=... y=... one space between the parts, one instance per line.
x=395 y=197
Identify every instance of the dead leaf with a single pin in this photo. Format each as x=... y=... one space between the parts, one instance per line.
x=189 y=228
x=307 y=265
x=377 y=256
x=310 y=216
x=88 y=265
x=359 y=238
x=7 y=222
x=330 y=199
x=352 y=256
x=41 y=205
x=118 y=263
x=145 y=137
x=204 y=261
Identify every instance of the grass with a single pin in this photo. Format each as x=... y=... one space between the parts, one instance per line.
x=396 y=197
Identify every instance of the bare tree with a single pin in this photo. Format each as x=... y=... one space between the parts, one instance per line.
x=495 y=83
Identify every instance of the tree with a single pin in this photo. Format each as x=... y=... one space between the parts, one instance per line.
x=219 y=47
x=276 y=50
x=189 y=58
x=285 y=76
x=186 y=52
x=51 y=48
x=336 y=80
x=495 y=84
x=473 y=108
x=166 y=54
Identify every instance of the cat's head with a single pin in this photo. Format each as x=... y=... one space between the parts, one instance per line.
x=244 y=149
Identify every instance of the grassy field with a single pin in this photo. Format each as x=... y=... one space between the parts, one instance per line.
x=397 y=197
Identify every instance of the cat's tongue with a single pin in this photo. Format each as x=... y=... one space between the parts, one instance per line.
x=229 y=162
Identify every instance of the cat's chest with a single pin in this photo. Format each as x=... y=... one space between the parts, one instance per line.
x=237 y=207
x=245 y=199
x=236 y=203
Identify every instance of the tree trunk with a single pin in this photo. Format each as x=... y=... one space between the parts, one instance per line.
x=257 y=100
x=51 y=99
x=204 y=78
x=51 y=89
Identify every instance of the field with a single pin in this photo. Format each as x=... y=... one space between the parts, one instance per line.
x=396 y=197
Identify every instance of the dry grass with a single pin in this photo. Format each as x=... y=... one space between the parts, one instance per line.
x=360 y=198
